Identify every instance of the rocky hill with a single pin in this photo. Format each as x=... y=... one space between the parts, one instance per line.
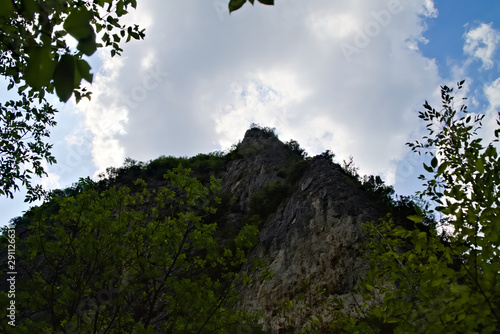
x=309 y=211
x=313 y=235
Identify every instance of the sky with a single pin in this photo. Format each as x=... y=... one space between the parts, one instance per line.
x=345 y=76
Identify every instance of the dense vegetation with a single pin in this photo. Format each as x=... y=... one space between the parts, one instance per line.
x=118 y=261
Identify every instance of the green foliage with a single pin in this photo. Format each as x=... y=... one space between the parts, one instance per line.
x=350 y=168
x=295 y=148
x=299 y=314
x=423 y=282
x=374 y=185
x=202 y=165
x=266 y=200
x=120 y=262
x=269 y=132
x=34 y=52
x=35 y=58
x=328 y=155
x=23 y=128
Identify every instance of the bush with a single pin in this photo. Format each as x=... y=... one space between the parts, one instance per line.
x=266 y=201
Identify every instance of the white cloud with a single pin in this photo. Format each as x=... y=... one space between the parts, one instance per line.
x=280 y=66
x=330 y=25
x=105 y=115
x=267 y=97
x=428 y=9
x=481 y=43
x=51 y=181
x=492 y=92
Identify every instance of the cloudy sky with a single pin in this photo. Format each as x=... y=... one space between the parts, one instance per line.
x=348 y=76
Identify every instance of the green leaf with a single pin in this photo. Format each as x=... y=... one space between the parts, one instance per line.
x=235 y=5
x=87 y=45
x=29 y=8
x=267 y=2
x=6 y=8
x=84 y=70
x=480 y=165
x=77 y=24
x=434 y=162
x=416 y=219
x=428 y=168
x=120 y=9
x=40 y=68
x=422 y=235
x=442 y=167
x=64 y=77
x=76 y=82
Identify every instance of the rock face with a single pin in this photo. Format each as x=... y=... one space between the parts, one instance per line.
x=313 y=236
x=263 y=156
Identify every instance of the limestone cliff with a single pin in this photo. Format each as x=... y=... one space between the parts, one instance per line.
x=314 y=234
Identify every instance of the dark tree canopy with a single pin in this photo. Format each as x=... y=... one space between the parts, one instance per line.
x=123 y=261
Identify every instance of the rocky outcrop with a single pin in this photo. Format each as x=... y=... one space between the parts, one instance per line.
x=263 y=156
x=314 y=235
